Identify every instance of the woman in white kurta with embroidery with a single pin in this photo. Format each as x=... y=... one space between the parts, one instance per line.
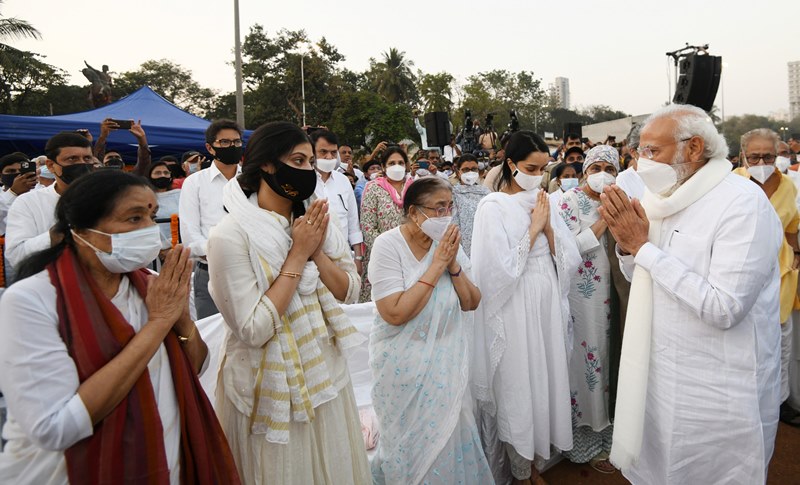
x=590 y=304
x=521 y=326
x=419 y=347
x=277 y=266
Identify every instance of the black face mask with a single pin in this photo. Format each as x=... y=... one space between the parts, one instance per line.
x=229 y=156
x=114 y=162
x=292 y=183
x=71 y=173
x=7 y=179
x=161 y=182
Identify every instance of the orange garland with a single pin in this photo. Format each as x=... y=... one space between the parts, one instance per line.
x=173 y=228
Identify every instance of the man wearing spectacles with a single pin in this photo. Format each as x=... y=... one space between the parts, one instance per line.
x=201 y=202
x=699 y=376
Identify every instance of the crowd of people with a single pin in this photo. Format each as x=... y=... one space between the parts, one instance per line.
x=629 y=306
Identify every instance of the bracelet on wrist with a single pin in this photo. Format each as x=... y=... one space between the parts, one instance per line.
x=456 y=274
x=183 y=339
x=426 y=283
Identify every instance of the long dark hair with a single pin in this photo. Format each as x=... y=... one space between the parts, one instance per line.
x=519 y=147
x=391 y=151
x=85 y=202
x=267 y=145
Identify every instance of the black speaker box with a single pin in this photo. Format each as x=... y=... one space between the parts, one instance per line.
x=437 y=128
x=698 y=81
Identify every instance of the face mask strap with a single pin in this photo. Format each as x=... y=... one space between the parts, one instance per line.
x=84 y=241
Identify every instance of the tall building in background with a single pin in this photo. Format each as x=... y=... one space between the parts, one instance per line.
x=561 y=87
x=794 y=89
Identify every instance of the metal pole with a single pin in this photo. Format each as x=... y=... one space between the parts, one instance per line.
x=238 y=49
x=303 y=86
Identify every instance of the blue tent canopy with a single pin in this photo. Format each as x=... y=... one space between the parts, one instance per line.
x=169 y=129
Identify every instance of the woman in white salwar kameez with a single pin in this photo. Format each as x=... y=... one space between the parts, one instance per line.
x=278 y=268
x=590 y=304
x=420 y=347
x=523 y=255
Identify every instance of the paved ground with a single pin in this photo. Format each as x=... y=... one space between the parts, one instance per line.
x=784 y=469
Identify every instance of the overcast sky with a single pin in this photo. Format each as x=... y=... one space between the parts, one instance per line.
x=613 y=52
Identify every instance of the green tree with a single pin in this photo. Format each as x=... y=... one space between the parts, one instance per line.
x=171 y=80
x=736 y=126
x=599 y=113
x=14 y=28
x=392 y=77
x=23 y=77
x=363 y=116
x=436 y=91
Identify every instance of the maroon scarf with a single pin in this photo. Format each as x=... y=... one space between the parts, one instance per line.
x=127 y=446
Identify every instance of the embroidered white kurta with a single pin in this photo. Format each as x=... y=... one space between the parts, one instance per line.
x=712 y=401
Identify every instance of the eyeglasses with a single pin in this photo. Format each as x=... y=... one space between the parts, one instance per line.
x=754 y=158
x=225 y=143
x=441 y=211
x=648 y=151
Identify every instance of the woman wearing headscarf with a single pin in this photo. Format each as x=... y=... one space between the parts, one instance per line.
x=419 y=346
x=590 y=300
x=523 y=256
x=100 y=358
x=278 y=269
x=382 y=205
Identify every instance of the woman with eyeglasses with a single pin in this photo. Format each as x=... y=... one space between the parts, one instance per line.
x=419 y=346
x=523 y=257
x=382 y=205
x=467 y=193
x=759 y=150
x=597 y=313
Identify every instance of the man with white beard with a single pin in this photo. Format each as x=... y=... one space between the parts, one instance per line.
x=699 y=378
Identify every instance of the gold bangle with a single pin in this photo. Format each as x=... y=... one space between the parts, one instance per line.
x=183 y=339
x=289 y=274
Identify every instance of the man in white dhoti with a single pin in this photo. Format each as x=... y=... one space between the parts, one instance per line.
x=700 y=369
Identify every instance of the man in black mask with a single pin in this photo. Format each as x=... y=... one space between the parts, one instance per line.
x=69 y=156
x=14 y=183
x=201 y=202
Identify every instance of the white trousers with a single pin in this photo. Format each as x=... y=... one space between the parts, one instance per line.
x=786 y=356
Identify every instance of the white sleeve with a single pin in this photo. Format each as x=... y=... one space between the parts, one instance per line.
x=353 y=224
x=742 y=259
x=6 y=199
x=38 y=377
x=248 y=312
x=191 y=234
x=23 y=238
x=385 y=268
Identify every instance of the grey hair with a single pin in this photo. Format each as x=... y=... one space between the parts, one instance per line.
x=693 y=121
x=760 y=133
x=633 y=136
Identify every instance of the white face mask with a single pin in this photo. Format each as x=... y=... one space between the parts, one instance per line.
x=374 y=175
x=568 y=184
x=762 y=173
x=598 y=181
x=129 y=250
x=527 y=182
x=469 y=178
x=326 y=165
x=481 y=166
x=193 y=167
x=435 y=227
x=396 y=172
x=783 y=163
x=659 y=178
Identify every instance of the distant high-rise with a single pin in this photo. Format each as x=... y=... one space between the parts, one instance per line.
x=794 y=89
x=561 y=87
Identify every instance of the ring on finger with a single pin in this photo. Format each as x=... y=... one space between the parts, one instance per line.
x=309 y=221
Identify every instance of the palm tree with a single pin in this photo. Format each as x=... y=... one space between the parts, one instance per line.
x=14 y=28
x=394 y=79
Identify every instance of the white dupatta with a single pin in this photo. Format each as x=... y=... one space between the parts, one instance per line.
x=635 y=359
x=292 y=378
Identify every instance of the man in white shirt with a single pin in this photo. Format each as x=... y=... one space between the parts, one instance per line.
x=629 y=181
x=346 y=156
x=201 y=203
x=32 y=215
x=699 y=380
x=452 y=150
x=335 y=187
x=14 y=182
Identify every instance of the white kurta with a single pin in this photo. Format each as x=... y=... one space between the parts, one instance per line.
x=520 y=339
x=712 y=401
x=631 y=183
x=28 y=224
x=590 y=304
x=40 y=383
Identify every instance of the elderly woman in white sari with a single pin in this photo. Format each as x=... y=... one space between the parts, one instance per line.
x=419 y=346
x=522 y=327
x=278 y=267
